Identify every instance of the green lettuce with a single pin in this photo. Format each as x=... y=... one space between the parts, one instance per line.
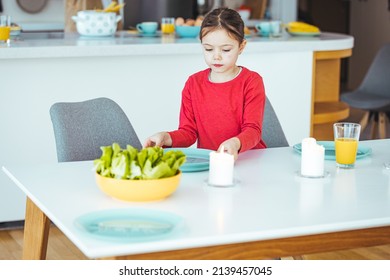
x=129 y=163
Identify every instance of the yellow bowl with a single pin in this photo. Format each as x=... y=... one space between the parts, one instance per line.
x=138 y=190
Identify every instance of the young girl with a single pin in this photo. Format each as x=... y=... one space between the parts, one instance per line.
x=224 y=104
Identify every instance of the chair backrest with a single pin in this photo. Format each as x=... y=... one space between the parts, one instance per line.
x=273 y=134
x=377 y=80
x=81 y=128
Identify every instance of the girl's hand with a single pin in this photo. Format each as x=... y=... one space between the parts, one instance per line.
x=159 y=139
x=232 y=146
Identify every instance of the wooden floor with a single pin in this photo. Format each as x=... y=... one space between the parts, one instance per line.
x=60 y=248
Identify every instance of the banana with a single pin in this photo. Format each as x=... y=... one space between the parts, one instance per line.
x=297 y=26
x=113 y=7
x=118 y=7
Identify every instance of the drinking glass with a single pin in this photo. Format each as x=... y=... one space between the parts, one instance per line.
x=5 y=29
x=346 y=138
x=276 y=28
x=168 y=25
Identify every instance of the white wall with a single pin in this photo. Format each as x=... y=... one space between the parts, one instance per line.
x=370 y=26
x=284 y=10
x=53 y=12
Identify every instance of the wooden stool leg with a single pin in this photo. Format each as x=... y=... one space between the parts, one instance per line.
x=374 y=127
x=36 y=233
x=382 y=125
x=364 y=120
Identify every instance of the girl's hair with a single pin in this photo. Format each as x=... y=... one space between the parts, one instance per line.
x=223 y=18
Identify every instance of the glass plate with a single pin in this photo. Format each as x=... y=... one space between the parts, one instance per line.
x=330 y=151
x=129 y=224
x=196 y=159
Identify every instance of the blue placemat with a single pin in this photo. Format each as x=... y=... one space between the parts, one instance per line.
x=330 y=150
x=128 y=225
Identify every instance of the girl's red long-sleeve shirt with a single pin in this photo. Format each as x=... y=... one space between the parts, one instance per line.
x=214 y=112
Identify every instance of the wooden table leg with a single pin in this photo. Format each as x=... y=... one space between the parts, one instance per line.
x=36 y=233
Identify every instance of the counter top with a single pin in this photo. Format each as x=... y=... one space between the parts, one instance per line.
x=58 y=44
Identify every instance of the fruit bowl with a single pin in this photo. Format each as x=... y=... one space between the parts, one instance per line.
x=186 y=31
x=138 y=190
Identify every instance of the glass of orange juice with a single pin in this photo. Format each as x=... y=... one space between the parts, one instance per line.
x=5 y=29
x=346 y=138
x=168 y=25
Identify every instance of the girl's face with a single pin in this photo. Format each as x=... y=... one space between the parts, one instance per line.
x=221 y=52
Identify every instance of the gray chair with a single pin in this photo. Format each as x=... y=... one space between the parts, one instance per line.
x=81 y=128
x=273 y=134
x=373 y=94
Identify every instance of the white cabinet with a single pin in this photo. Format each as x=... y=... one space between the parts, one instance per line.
x=370 y=26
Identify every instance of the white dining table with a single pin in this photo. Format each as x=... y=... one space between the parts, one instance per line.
x=271 y=211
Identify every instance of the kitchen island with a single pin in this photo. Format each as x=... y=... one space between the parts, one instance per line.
x=146 y=76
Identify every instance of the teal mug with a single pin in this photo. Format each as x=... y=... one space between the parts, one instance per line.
x=149 y=27
x=263 y=28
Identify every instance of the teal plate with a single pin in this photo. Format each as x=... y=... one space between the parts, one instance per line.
x=196 y=159
x=129 y=224
x=305 y=34
x=330 y=151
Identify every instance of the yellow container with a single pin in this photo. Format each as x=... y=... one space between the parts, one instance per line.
x=138 y=190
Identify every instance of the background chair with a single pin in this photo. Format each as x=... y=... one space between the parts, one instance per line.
x=373 y=95
x=81 y=128
x=273 y=134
